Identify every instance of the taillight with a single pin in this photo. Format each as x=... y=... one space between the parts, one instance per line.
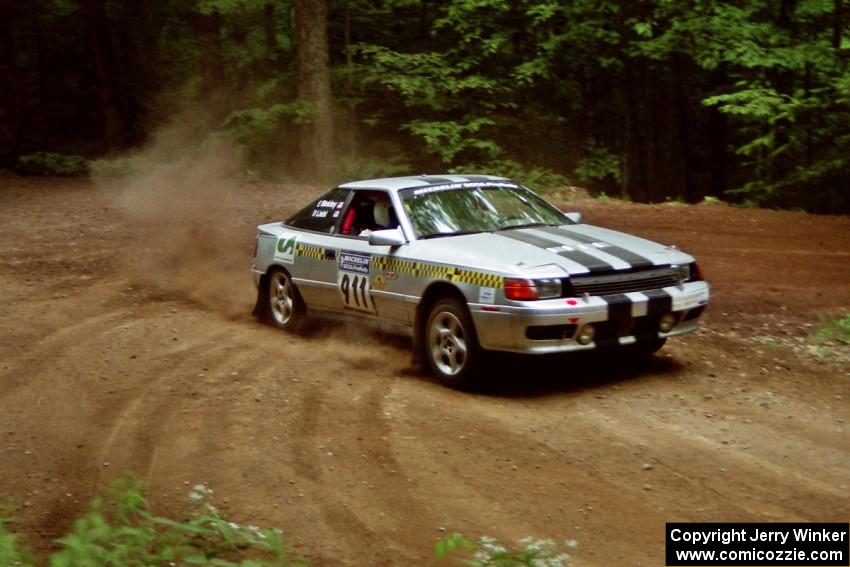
x=256 y=246
x=520 y=290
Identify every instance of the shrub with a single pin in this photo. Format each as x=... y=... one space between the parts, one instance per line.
x=598 y=165
x=50 y=163
x=834 y=330
x=488 y=552
x=265 y=135
x=120 y=531
x=114 y=168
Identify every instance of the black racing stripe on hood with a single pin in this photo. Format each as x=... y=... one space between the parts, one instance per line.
x=660 y=302
x=592 y=263
x=635 y=260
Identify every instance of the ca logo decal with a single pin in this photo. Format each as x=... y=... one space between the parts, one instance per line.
x=285 y=250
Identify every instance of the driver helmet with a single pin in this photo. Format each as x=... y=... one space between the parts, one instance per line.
x=381 y=213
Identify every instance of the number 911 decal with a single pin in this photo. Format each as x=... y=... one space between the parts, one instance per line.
x=353 y=282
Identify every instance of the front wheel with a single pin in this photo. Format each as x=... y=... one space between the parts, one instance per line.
x=284 y=307
x=451 y=346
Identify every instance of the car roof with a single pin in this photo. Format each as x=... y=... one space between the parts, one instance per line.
x=394 y=184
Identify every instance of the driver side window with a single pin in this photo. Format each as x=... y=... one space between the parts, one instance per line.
x=322 y=214
x=368 y=211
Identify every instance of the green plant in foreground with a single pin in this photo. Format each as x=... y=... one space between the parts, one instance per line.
x=10 y=551
x=488 y=552
x=119 y=530
x=834 y=330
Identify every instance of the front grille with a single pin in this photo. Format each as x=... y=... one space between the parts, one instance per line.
x=623 y=283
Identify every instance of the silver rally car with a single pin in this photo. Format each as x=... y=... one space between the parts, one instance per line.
x=470 y=263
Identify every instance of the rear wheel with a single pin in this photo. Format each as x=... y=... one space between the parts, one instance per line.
x=450 y=345
x=284 y=307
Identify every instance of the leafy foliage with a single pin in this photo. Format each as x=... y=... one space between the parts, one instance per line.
x=651 y=100
x=599 y=164
x=119 y=530
x=352 y=168
x=488 y=552
x=834 y=330
x=258 y=131
x=50 y=163
x=537 y=177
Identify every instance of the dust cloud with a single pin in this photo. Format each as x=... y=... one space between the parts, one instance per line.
x=183 y=200
x=174 y=195
x=353 y=346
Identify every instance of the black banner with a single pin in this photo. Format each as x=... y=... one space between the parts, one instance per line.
x=758 y=544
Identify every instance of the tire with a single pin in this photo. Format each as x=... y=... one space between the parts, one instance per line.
x=282 y=304
x=450 y=344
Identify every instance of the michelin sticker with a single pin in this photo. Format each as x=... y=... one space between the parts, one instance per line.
x=284 y=251
x=357 y=263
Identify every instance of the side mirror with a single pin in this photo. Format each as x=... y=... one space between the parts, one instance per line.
x=388 y=237
x=575 y=217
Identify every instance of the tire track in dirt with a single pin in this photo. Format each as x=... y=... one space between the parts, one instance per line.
x=370 y=436
x=147 y=419
x=329 y=461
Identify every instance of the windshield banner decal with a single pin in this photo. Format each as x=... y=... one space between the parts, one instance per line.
x=464 y=185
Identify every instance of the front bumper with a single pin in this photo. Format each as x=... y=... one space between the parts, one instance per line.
x=551 y=325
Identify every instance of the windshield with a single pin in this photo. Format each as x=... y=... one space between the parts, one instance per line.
x=436 y=211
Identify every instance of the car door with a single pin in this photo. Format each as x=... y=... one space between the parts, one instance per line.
x=364 y=287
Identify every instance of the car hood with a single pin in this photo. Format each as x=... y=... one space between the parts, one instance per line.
x=551 y=251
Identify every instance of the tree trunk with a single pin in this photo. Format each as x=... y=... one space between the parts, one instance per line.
x=208 y=33
x=9 y=112
x=349 y=66
x=837 y=23
x=270 y=28
x=634 y=159
x=684 y=186
x=105 y=71
x=314 y=85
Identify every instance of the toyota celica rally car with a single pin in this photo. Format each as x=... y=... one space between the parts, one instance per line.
x=471 y=263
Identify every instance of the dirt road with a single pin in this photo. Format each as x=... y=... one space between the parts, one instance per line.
x=126 y=344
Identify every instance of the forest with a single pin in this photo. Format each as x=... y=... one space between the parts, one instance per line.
x=649 y=100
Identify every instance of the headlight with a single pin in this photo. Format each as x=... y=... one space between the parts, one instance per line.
x=525 y=290
x=548 y=288
x=683 y=273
